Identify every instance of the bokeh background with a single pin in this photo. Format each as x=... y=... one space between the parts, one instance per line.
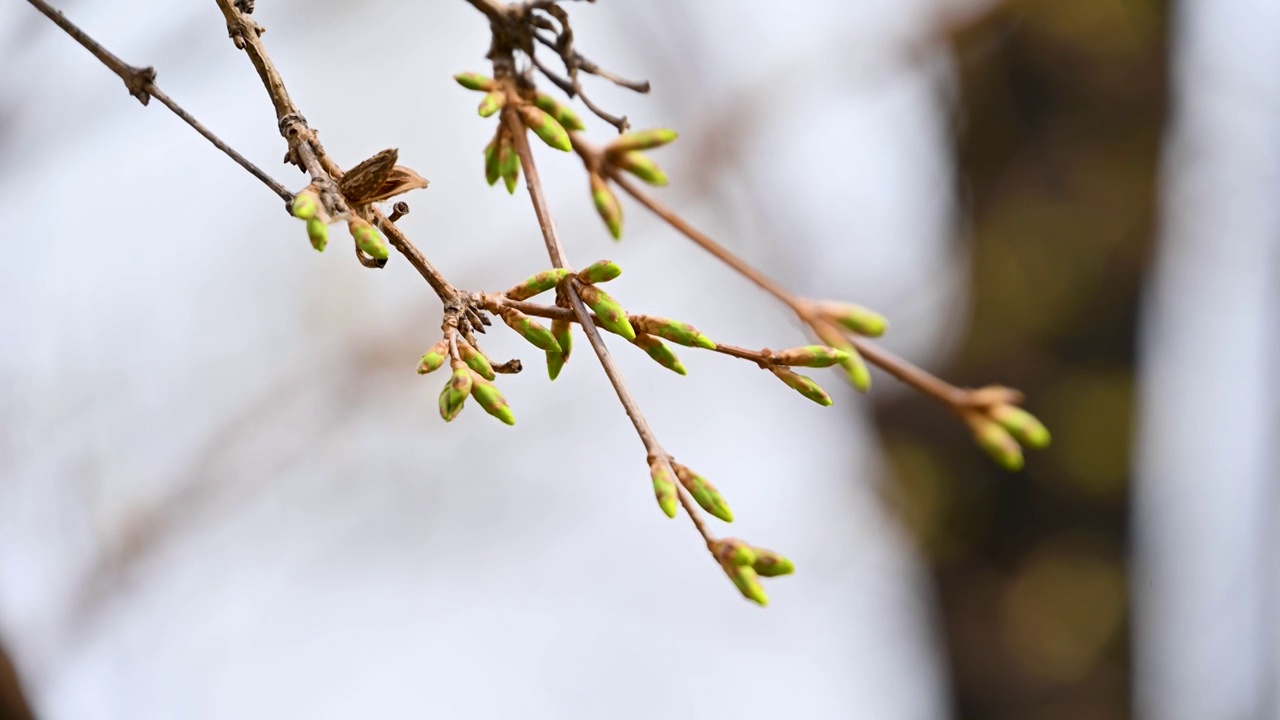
x=225 y=494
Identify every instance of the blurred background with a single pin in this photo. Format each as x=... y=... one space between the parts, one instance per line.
x=224 y=493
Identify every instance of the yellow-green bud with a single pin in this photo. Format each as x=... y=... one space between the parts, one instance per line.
x=612 y=316
x=664 y=486
x=641 y=166
x=607 y=205
x=803 y=385
x=475 y=81
x=546 y=127
x=529 y=329
x=599 y=271
x=639 y=140
x=1022 y=425
x=434 y=358
x=486 y=393
x=367 y=237
x=537 y=284
x=317 y=233
x=491 y=103
x=561 y=112
x=661 y=354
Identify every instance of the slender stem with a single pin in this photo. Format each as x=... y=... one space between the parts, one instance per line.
x=254 y=170
x=310 y=154
x=554 y=248
x=912 y=375
x=141 y=84
x=705 y=242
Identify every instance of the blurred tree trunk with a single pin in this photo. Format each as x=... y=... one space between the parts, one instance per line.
x=1060 y=119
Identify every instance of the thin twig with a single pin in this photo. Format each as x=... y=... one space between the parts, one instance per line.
x=141 y=84
x=306 y=150
x=918 y=378
x=556 y=251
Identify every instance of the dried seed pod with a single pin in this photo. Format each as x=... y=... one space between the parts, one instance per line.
x=397 y=182
x=561 y=112
x=455 y=392
x=641 y=166
x=659 y=352
x=529 y=329
x=1024 y=426
x=611 y=314
x=562 y=330
x=367 y=237
x=361 y=183
x=599 y=271
x=747 y=582
x=318 y=233
x=770 y=564
x=491 y=103
x=996 y=442
x=664 y=486
x=732 y=550
x=546 y=127
x=306 y=204
x=475 y=81
x=803 y=385
x=508 y=164
x=434 y=358
x=475 y=359
x=537 y=284
x=639 y=140
x=607 y=205
x=856 y=318
x=673 y=330
x=703 y=492
x=814 y=356
x=491 y=172
x=486 y=393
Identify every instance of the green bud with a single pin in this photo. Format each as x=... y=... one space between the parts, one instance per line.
x=677 y=332
x=562 y=330
x=734 y=551
x=491 y=103
x=537 y=284
x=664 y=486
x=305 y=205
x=814 y=356
x=434 y=358
x=546 y=127
x=803 y=385
x=607 y=205
x=855 y=368
x=475 y=359
x=641 y=166
x=856 y=318
x=455 y=392
x=612 y=316
x=747 y=582
x=530 y=329
x=1022 y=425
x=368 y=239
x=998 y=443
x=318 y=233
x=703 y=492
x=770 y=564
x=562 y=113
x=491 y=173
x=639 y=140
x=509 y=165
x=599 y=271
x=475 y=81
x=659 y=352
x=486 y=393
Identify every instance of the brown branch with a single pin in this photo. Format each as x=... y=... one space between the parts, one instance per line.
x=556 y=252
x=141 y=84
x=914 y=376
x=306 y=151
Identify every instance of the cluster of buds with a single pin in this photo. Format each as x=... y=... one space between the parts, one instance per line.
x=472 y=376
x=746 y=564
x=549 y=119
x=834 y=321
x=306 y=206
x=624 y=153
x=1002 y=428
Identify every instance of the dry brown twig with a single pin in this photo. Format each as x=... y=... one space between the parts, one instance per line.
x=1000 y=426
